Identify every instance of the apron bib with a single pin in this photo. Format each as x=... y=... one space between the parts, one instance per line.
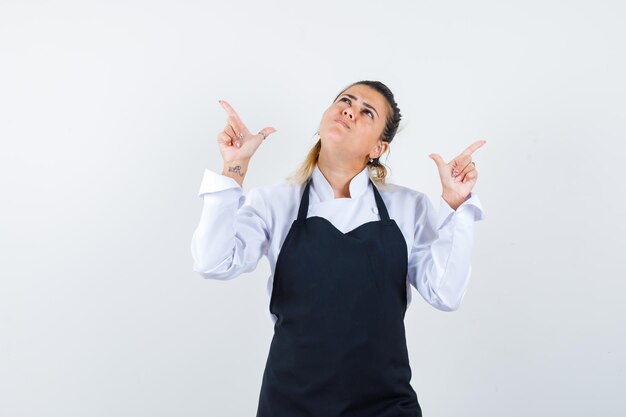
x=339 y=346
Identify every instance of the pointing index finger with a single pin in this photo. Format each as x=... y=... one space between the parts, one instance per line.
x=229 y=109
x=470 y=149
x=231 y=112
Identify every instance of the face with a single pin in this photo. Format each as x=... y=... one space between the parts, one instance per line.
x=352 y=126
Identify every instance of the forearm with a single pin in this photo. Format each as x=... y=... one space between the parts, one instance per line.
x=449 y=273
x=213 y=241
x=439 y=263
x=232 y=234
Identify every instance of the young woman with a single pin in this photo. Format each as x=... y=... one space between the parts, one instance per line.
x=344 y=248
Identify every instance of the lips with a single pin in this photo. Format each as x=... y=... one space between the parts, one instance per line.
x=341 y=122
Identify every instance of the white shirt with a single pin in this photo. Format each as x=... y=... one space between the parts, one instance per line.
x=236 y=230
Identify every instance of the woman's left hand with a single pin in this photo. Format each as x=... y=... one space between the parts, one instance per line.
x=458 y=176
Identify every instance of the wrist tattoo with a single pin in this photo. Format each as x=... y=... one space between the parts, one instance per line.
x=236 y=169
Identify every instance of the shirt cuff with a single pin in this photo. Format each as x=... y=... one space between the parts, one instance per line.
x=471 y=208
x=213 y=182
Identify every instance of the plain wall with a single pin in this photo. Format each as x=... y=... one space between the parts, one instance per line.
x=109 y=115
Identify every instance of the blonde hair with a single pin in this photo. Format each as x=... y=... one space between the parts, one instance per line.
x=377 y=171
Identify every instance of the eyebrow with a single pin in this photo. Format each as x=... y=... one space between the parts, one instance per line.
x=364 y=103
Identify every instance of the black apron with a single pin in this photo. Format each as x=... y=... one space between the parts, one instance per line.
x=339 y=346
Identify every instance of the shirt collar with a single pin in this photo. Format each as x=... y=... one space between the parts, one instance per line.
x=358 y=184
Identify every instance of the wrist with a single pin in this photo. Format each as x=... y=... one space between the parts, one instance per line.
x=236 y=169
x=454 y=200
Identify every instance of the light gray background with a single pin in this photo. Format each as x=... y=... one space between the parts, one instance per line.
x=109 y=115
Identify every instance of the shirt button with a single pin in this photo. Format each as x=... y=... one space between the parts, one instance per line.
x=374 y=210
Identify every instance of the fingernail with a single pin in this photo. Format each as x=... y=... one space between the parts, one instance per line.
x=238 y=144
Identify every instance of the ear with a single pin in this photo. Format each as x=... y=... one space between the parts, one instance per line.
x=379 y=149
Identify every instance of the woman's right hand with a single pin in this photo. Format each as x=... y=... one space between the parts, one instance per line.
x=235 y=141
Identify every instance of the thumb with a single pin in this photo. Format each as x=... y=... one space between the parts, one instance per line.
x=437 y=158
x=268 y=131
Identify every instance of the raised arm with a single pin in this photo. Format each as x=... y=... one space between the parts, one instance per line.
x=439 y=261
x=232 y=234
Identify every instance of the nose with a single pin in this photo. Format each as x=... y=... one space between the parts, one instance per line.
x=348 y=112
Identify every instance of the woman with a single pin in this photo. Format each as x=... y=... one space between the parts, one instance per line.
x=344 y=248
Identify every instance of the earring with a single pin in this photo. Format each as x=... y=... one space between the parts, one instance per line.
x=374 y=162
x=316 y=136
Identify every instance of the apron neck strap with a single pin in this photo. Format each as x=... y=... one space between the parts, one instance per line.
x=304 y=202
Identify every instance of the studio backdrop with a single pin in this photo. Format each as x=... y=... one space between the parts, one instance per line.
x=109 y=116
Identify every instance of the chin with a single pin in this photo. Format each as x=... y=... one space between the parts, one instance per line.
x=333 y=135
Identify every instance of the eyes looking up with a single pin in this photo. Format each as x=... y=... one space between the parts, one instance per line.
x=366 y=111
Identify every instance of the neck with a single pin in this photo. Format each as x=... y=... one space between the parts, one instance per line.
x=338 y=174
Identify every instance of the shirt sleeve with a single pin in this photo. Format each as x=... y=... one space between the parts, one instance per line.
x=439 y=261
x=232 y=235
